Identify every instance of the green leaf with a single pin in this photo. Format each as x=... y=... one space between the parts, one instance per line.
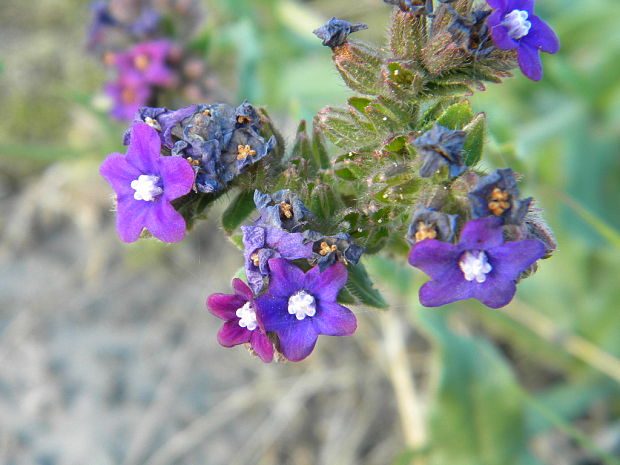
x=360 y=286
x=478 y=413
x=457 y=116
x=238 y=210
x=474 y=144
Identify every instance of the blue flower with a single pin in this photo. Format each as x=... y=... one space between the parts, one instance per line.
x=481 y=266
x=498 y=195
x=299 y=306
x=326 y=250
x=439 y=147
x=515 y=26
x=283 y=209
x=335 y=32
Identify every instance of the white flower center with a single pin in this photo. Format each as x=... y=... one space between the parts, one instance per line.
x=146 y=187
x=474 y=265
x=517 y=24
x=301 y=305
x=247 y=317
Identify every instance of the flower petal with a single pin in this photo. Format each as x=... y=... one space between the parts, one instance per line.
x=144 y=148
x=164 y=222
x=289 y=245
x=225 y=306
x=272 y=312
x=541 y=36
x=327 y=284
x=527 y=5
x=529 y=62
x=433 y=257
x=286 y=278
x=119 y=174
x=262 y=345
x=482 y=234
x=451 y=288
x=494 y=292
x=231 y=334
x=497 y=4
x=501 y=39
x=297 y=339
x=242 y=289
x=177 y=176
x=131 y=218
x=512 y=258
x=333 y=319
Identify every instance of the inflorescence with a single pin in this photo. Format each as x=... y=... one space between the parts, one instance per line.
x=404 y=179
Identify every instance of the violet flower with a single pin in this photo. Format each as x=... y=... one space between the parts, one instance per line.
x=128 y=94
x=147 y=60
x=145 y=183
x=264 y=243
x=498 y=195
x=481 y=266
x=335 y=32
x=283 y=209
x=439 y=147
x=514 y=26
x=242 y=323
x=299 y=306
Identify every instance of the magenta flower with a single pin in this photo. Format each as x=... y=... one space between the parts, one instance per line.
x=300 y=306
x=481 y=266
x=242 y=323
x=145 y=183
x=148 y=61
x=514 y=26
x=128 y=94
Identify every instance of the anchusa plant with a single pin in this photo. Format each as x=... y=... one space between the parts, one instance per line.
x=149 y=48
x=396 y=171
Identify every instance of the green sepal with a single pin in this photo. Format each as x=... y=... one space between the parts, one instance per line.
x=237 y=240
x=359 y=66
x=456 y=116
x=474 y=144
x=407 y=35
x=238 y=210
x=362 y=288
x=193 y=206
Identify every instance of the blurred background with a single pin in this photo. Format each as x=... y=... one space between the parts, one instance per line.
x=108 y=355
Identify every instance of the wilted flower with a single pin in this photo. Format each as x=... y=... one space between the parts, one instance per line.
x=242 y=323
x=514 y=26
x=145 y=183
x=428 y=223
x=498 y=195
x=264 y=243
x=335 y=32
x=284 y=210
x=481 y=266
x=163 y=121
x=299 y=306
x=439 y=147
x=328 y=249
x=471 y=31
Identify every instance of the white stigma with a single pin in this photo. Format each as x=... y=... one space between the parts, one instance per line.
x=247 y=317
x=301 y=305
x=474 y=265
x=146 y=187
x=517 y=24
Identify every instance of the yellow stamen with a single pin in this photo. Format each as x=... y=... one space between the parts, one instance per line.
x=499 y=201
x=425 y=232
x=286 y=210
x=141 y=62
x=243 y=119
x=243 y=151
x=255 y=259
x=326 y=249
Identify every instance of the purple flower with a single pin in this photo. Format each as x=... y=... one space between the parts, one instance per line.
x=498 y=195
x=264 y=243
x=481 y=266
x=299 y=306
x=283 y=209
x=128 y=94
x=145 y=183
x=514 y=26
x=439 y=147
x=335 y=32
x=147 y=60
x=242 y=323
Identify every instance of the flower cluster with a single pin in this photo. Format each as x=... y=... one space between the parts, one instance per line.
x=406 y=178
x=133 y=43
x=283 y=303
